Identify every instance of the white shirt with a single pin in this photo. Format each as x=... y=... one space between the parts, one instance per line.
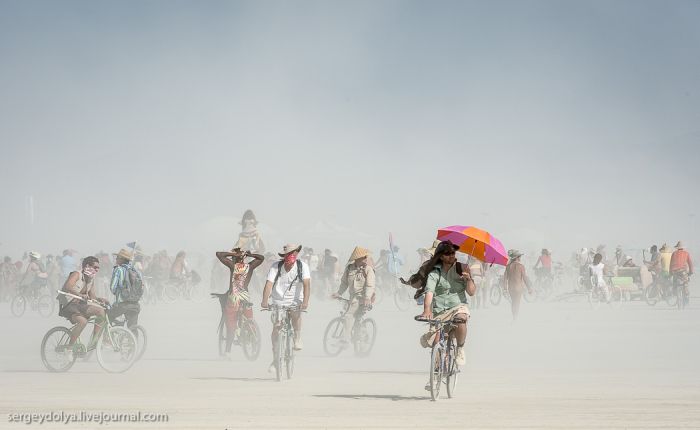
x=288 y=290
x=597 y=271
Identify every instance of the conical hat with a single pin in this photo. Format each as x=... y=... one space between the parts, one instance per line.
x=359 y=252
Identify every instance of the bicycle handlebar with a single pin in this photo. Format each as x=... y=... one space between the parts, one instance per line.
x=90 y=301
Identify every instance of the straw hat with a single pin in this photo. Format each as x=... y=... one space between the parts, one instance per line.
x=432 y=249
x=359 y=252
x=289 y=248
x=125 y=254
x=514 y=253
x=679 y=245
x=35 y=255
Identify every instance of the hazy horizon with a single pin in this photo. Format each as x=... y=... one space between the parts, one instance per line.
x=549 y=124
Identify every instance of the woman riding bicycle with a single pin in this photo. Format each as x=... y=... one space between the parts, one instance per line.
x=241 y=273
x=79 y=311
x=446 y=289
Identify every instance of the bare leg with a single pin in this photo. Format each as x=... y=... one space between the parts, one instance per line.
x=516 y=295
x=80 y=323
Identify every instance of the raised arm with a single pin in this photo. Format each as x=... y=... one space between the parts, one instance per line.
x=224 y=258
x=257 y=260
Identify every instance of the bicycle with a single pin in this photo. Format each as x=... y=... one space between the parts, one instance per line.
x=598 y=294
x=362 y=337
x=443 y=357
x=116 y=347
x=660 y=289
x=247 y=333
x=497 y=292
x=139 y=333
x=284 y=345
x=185 y=288
x=37 y=300
x=680 y=285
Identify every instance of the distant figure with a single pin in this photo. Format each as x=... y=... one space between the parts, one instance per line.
x=544 y=264
x=249 y=238
x=628 y=262
x=665 y=257
x=516 y=280
x=68 y=263
x=682 y=268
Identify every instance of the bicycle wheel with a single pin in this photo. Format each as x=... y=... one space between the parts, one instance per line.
x=170 y=293
x=45 y=305
x=332 y=338
x=670 y=299
x=141 y=341
x=18 y=305
x=651 y=294
x=401 y=298
x=435 y=371
x=250 y=339
x=56 y=353
x=364 y=340
x=495 y=295
x=289 y=359
x=280 y=352
x=221 y=338
x=117 y=349
x=452 y=369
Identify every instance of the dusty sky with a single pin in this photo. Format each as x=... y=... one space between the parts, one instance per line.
x=549 y=123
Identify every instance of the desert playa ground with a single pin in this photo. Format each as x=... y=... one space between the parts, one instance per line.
x=562 y=365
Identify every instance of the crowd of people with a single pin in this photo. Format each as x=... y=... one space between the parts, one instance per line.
x=444 y=281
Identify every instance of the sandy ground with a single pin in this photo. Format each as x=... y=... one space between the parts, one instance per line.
x=561 y=366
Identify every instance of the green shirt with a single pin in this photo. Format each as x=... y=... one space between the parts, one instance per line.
x=449 y=290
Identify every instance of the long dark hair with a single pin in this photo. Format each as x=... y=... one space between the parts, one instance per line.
x=418 y=279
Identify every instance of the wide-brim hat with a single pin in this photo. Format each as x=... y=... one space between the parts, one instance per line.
x=432 y=249
x=514 y=253
x=679 y=245
x=359 y=252
x=125 y=254
x=444 y=244
x=35 y=254
x=289 y=248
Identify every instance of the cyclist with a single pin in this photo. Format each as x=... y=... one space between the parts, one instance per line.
x=446 y=292
x=8 y=277
x=78 y=311
x=543 y=266
x=681 y=268
x=241 y=274
x=288 y=284
x=35 y=276
x=180 y=270
x=124 y=276
x=358 y=278
x=598 y=272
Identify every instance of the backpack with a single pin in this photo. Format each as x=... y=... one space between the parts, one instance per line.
x=132 y=289
x=419 y=279
x=279 y=271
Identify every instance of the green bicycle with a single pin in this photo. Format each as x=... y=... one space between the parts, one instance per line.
x=116 y=347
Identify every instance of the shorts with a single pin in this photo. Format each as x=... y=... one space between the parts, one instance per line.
x=74 y=308
x=426 y=340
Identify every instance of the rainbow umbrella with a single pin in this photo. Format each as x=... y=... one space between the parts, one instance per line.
x=478 y=243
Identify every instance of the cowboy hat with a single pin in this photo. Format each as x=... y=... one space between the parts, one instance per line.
x=359 y=252
x=125 y=254
x=35 y=255
x=288 y=249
